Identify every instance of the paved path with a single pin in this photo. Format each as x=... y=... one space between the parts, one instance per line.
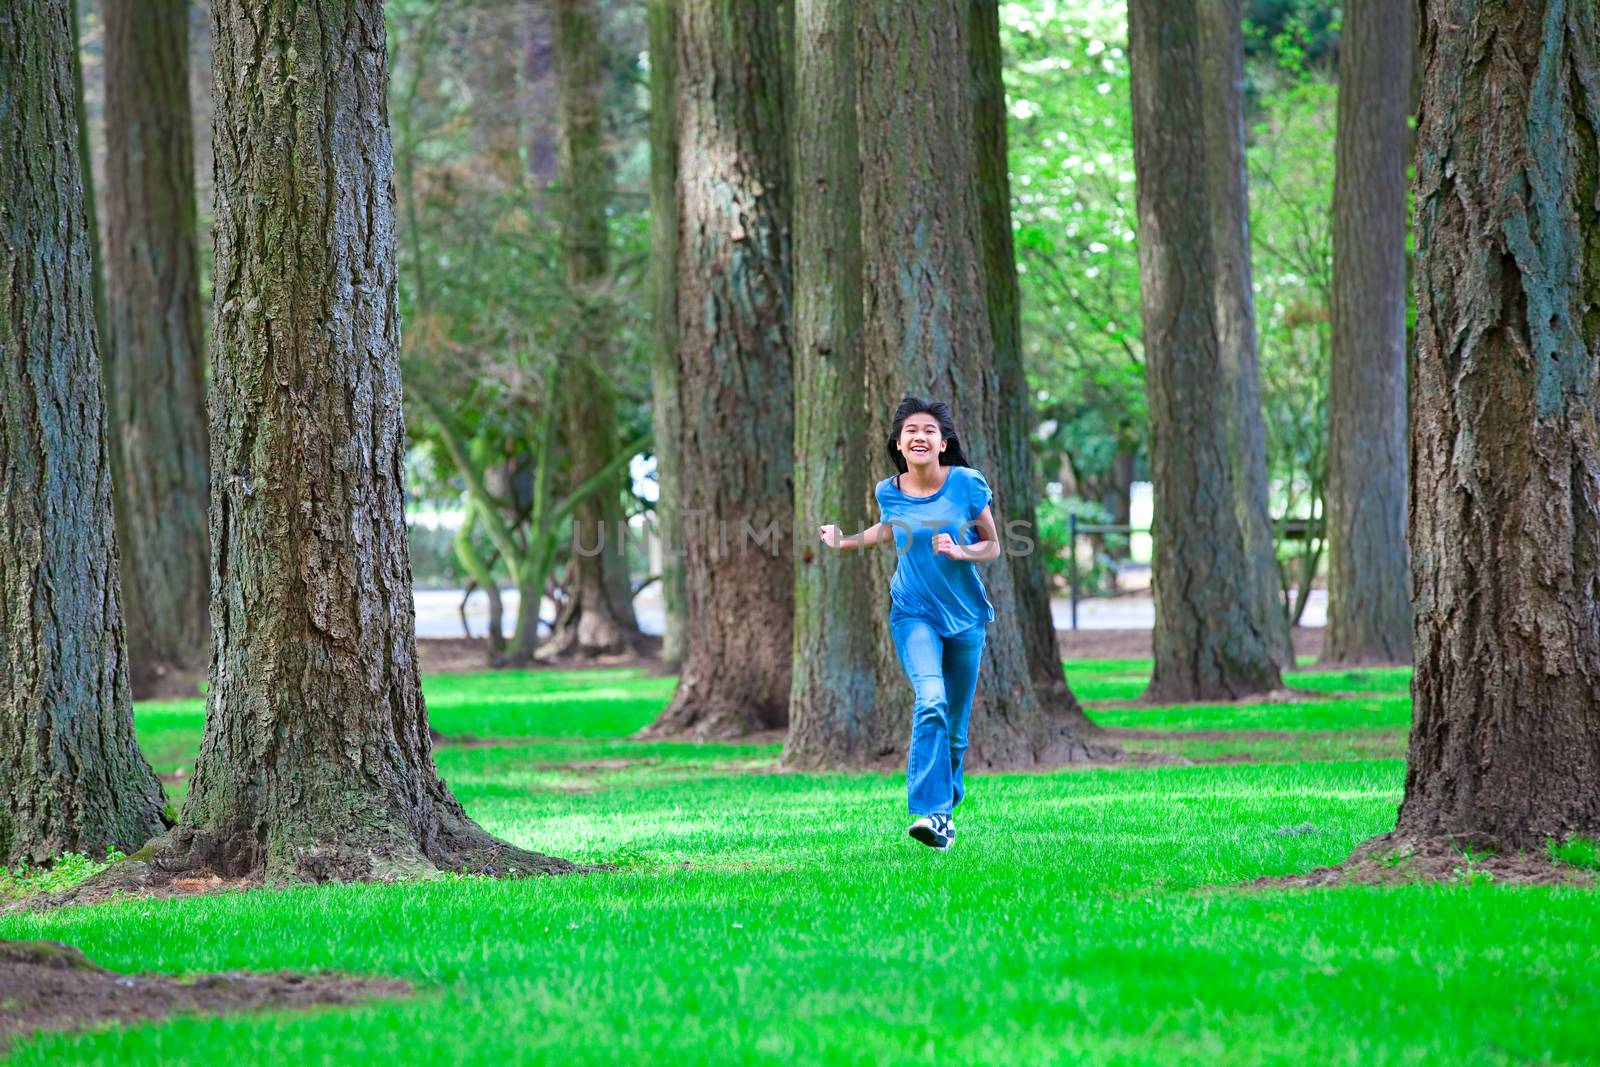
x=438 y=612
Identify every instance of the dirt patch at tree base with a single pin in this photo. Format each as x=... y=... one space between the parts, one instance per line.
x=47 y=986
x=1389 y=860
x=113 y=885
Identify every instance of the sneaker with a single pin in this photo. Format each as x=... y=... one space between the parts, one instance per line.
x=935 y=831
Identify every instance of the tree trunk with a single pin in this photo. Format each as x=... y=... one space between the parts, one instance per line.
x=1119 y=499
x=1369 y=612
x=316 y=762
x=1505 y=479
x=71 y=776
x=1209 y=643
x=927 y=329
x=1013 y=460
x=490 y=46
x=734 y=375
x=833 y=718
x=539 y=92
x=481 y=572
x=1221 y=28
x=666 y=407
x=598 y=617
x=155 y=346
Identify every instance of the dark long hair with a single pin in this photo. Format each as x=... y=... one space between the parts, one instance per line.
x=952 y=456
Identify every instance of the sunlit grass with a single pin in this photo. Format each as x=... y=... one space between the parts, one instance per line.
x=765 y=917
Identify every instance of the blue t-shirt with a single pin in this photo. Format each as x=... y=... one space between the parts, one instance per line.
x=947 y=593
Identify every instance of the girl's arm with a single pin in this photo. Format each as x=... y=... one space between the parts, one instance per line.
x=987 y=546
x=834 y=537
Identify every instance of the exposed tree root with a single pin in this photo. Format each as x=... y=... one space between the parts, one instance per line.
x=1404 y=859
x=185 y=861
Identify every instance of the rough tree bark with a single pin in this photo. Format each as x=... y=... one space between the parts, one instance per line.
x=598 y=617
x=1221 y=29
x=1369 y=612
x=1209 y=643
x=1013 y=473
x=71 y=776
x=733 y=371
x=1505 y=477
x=316 y=762
x=833 y=703
x=155 y=381
x=666 y=407
x=927 y=327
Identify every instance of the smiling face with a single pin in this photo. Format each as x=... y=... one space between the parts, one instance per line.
x=920 y=440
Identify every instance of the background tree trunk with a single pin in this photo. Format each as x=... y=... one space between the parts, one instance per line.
x=927 y=328
x=71 y=776
x=1369 y=612
x=1014 y=468
x=665 y=404
x=734 y=374
x=833 y=704
x=539 y=91
x=598 y=617
x=1221 y=29
x=490 y=46
x=316 y=762
x=155 y=352
x=1209 y=642
x=1505 y=479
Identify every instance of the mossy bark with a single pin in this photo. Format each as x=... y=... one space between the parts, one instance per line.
x=927 y=330
x=71 y=776
x=1221 y=28
x=155 y=381
x=1013 y=471
x=733 y=373
x=1210 y=643
x=1505 y=454
x=833 y=708
x=1369 y=607
x=316 y=762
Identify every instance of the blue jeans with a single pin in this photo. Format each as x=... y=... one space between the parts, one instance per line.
x=944 y=676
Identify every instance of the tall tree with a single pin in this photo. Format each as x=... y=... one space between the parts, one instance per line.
x=538 y=97
x=1222 y=87
x=71 y=776
x=1015 y=472
x=155 y=383
x=833 y=716
x=734 y=377
x=598 y=616
x=1505 y=457
x=1369 y=611
x=316 y=762
x=665 y=404
x=927 y=320
x=489 y=43
x=1209 y=643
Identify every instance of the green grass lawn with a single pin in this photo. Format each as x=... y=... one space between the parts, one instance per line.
x=784 y=918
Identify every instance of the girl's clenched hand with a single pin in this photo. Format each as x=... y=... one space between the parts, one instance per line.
x=945 y=545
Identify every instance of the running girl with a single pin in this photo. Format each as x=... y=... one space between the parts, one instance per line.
x=937 y=510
